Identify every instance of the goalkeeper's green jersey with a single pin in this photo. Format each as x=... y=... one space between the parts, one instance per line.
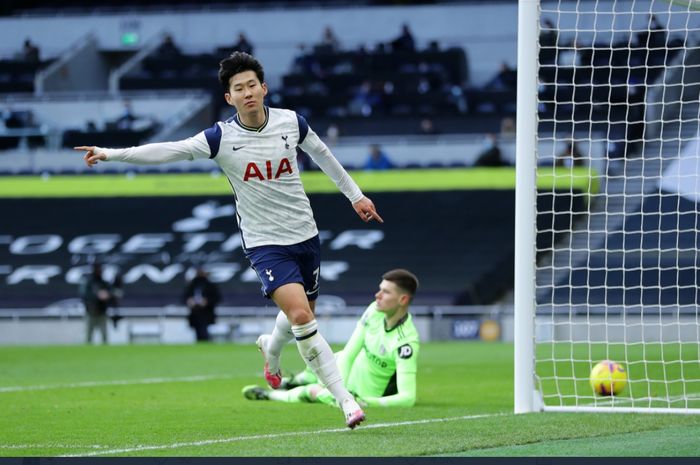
x=380 y=365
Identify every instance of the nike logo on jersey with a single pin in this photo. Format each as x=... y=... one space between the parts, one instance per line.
x=238 y=148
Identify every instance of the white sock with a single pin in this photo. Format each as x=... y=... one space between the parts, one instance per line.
x=281 y=335
x=319 y=357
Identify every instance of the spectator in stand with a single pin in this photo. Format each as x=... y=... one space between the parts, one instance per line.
x=380 y=49
x=548 y=34
x=377 y=159
x=651 y=45
x=201 y=297
x=570 y=156
x=243 y=44
x=424 y=86
x=127 y=118
x=91 y=126
x=433 y=46
x=365 y=99
x=329 y=42
x=30 y=52
x=427 y=127
x=657 y=33
x=654 y=36
x=404 y=42
x=506 y=79
x=168 y=49
x=491 y=154
x=17 y=119
x=548 y=42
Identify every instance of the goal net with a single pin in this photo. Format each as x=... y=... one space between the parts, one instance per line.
x=615 y=272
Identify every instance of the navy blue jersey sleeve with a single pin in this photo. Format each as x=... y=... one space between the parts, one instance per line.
x=303 y=128
x=213 y=135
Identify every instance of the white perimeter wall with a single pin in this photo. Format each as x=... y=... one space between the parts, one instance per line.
x=337 y=329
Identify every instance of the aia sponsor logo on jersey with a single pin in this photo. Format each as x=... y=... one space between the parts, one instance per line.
x=266 y=172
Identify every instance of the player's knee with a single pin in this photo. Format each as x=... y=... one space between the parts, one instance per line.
x=299 y=315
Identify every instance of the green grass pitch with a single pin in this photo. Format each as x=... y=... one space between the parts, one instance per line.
x=160 y=400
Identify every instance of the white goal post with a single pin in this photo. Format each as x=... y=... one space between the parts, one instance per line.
x=607 y=227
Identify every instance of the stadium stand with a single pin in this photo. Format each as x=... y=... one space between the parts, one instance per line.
x=18 y=75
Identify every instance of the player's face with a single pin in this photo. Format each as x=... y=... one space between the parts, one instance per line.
x=246 y=92
x=389 y=297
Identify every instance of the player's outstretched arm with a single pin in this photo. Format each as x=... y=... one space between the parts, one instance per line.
x=150 y=154
x=366 y=210
x=93 y=154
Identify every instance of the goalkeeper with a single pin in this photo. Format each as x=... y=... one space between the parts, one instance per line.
x=378 y=363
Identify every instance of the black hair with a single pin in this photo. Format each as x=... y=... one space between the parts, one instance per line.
x=239 y=62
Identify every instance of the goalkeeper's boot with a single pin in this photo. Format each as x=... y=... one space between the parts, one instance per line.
x=255 y=393
x=353 y=413
x=289 y=382
x=273 y=379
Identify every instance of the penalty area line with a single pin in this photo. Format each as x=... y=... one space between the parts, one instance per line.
x=207 y=442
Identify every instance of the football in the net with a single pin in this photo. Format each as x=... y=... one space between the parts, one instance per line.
x=608 y=378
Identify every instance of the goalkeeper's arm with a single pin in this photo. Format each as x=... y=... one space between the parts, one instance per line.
x=346 y=357
x=405 y=397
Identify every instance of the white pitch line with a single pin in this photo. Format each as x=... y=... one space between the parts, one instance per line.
x=208 y=442
x=48 y=446
x=183 y=379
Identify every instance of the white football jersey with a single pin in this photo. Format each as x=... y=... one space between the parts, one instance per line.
x=261 y=166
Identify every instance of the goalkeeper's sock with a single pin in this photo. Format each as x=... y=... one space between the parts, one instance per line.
x=281 y=335
x=320 y=359
x=298 y=394
x=303 y=378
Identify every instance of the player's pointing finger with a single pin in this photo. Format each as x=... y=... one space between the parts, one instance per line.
x=376 y=216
